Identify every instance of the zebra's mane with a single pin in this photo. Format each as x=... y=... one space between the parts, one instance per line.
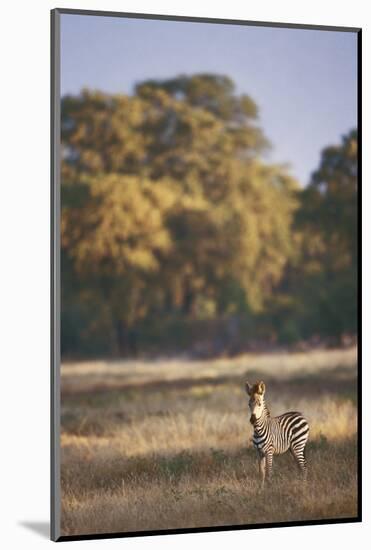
x=266 y=409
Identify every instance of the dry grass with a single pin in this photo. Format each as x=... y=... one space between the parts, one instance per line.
x=166 y=444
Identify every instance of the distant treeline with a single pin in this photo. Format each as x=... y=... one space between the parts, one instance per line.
x=178 y=236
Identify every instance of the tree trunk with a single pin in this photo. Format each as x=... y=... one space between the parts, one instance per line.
x=188 y=301
x=126 y=339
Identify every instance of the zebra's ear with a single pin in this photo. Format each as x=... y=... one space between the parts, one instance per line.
x=261 y=388
x=248 y=388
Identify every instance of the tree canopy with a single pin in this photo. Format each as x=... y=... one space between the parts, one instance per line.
x=321 y=282
x=170 y=211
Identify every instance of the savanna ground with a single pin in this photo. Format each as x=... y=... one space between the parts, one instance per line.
x=166 y=444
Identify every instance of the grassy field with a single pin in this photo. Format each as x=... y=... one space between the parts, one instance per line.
x=167 y=444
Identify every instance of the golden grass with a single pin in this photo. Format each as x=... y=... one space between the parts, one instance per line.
x=89 y=375
x=168 y=444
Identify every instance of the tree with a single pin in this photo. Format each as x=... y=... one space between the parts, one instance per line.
x=113 y=228
x=167 y=203
x=321 y=285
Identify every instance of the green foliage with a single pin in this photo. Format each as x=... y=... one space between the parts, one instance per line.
x=322 y=279
x=168 y=212
x=118 y=229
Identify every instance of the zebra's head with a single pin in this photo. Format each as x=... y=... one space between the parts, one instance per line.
x=256 y=400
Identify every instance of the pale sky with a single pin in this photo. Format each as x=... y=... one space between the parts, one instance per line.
x=303 y=81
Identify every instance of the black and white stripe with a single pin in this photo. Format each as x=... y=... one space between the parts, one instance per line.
x=276 y=435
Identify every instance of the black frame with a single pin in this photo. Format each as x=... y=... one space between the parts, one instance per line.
x=55 y=286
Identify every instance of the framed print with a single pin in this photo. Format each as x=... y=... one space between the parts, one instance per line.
x=206 y=358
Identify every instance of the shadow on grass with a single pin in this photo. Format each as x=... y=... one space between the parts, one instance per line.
x=340 y=381
x=200 y=466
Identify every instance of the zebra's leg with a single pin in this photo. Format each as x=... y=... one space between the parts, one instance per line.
x=262 y=469
x=293 y=454
x=269 y=464
x=304 y=466
x=299 y=455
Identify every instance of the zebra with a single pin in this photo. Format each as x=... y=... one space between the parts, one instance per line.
x=274 y=436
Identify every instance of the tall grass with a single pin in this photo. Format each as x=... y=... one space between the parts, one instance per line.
x=168 y=444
